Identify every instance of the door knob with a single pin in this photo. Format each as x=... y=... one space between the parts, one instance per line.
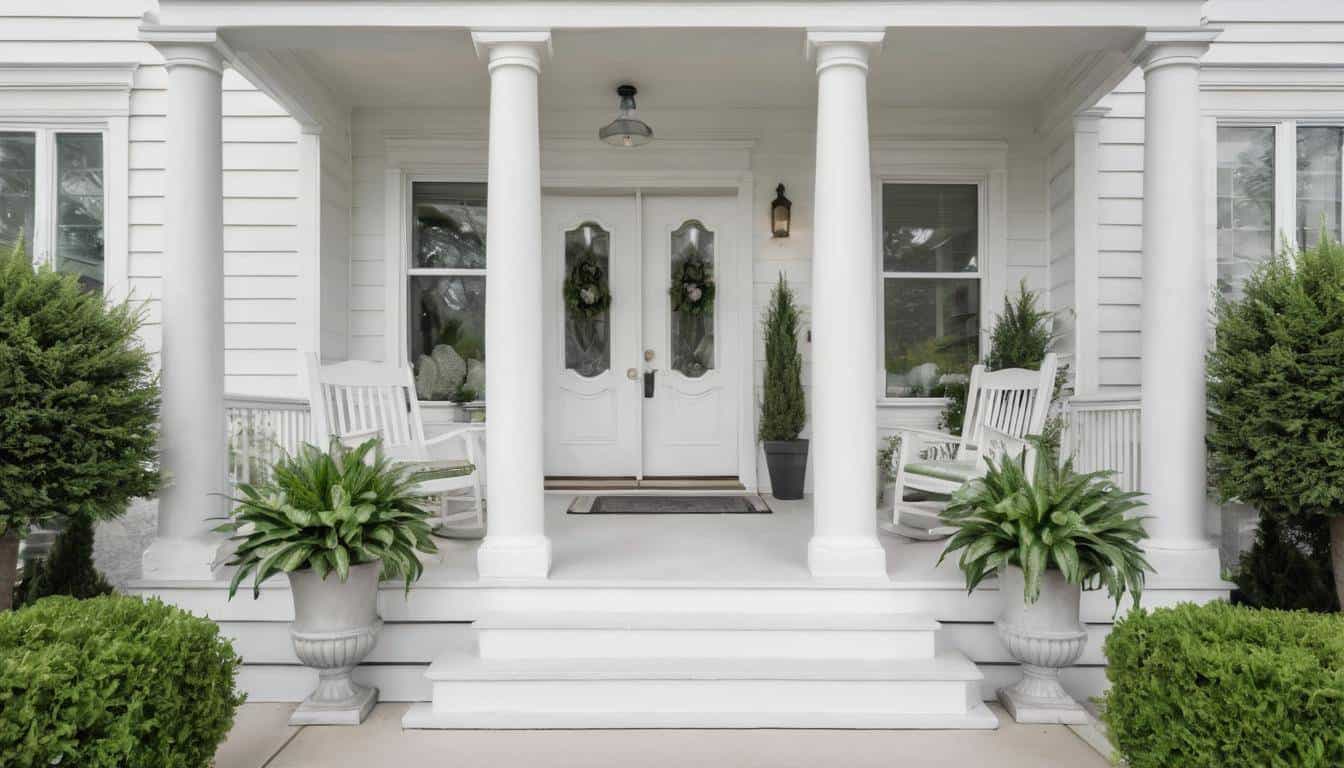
x=631 y=374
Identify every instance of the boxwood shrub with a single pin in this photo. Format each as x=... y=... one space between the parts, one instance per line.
x=113 y=682
x=1222 y=686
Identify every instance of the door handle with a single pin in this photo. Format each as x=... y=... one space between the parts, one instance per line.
x=648 y=382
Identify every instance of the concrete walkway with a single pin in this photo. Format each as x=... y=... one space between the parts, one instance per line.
x=261 y=739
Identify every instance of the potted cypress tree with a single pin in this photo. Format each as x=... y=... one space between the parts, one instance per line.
x=79 y=405
x=783 y=407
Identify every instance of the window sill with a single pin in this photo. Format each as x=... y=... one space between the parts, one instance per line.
x=911 y=402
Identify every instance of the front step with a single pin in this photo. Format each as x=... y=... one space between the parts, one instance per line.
x=576 y=635
x=472 y=692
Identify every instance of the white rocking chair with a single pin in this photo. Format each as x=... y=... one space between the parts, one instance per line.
x=356 y=401
x=1008 y=404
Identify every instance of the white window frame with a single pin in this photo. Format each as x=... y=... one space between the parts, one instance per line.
x=983 y=163
x=980 y=274
x=1285 y=177
x=46 y=188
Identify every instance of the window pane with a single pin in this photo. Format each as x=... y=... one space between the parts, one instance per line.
x=17 y=181
x=692 y=299
x=79 y=207
x=1319 y=180
x=587 y=299
x=932 y=330
x=449 y=225
x=930 y=227
x=1245 y=203
x=448 y=337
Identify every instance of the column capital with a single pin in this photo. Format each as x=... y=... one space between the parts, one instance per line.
x=512 y=47
x=1183 y=46
x=187 y=46
x=1085 y=120
x=843 y=47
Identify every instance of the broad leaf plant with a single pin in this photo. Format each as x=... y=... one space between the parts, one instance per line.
x=330 y=510
x=1048 y=518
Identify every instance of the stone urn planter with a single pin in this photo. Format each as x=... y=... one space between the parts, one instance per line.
x=1045 y=637
x=336 y=625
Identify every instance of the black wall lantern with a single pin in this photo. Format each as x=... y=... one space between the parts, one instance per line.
x=780 y=213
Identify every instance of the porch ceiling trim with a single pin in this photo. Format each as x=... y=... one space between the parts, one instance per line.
x=665 y=14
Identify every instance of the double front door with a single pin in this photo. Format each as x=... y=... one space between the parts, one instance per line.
x=641 y=352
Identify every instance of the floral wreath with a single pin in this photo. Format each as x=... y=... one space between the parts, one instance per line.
x=692 y=289
x=586 y=290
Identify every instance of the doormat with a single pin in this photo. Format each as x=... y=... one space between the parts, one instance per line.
x=668 y=505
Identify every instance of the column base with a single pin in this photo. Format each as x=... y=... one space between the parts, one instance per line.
x=847 y=558
x=1182 y=562
x=185 y=559
x=514 y=558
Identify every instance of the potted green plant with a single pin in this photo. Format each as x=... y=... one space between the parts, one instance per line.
x=1276 y=394
x=783 y=405
x=333 y=522
x=1048 y=532
x=79 y=401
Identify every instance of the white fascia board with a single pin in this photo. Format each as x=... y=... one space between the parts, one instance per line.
x=1081 y=86
x=665 y=14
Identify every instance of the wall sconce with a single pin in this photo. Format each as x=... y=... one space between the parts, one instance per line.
x=780 y=213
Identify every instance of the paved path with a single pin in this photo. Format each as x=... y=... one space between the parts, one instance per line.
x=261 y=739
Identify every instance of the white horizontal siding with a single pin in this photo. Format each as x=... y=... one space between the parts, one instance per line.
x=261 y=269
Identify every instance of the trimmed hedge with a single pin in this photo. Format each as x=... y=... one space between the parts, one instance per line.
x=113 y=682
x=1221 y=686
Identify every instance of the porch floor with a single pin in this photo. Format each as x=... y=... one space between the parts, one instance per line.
x=728 y=549
x=261 y=737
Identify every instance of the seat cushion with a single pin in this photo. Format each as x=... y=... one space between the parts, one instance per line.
x=951 y=471
x=428 y=471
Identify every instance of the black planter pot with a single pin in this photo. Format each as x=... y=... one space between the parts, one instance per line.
x=787 y=462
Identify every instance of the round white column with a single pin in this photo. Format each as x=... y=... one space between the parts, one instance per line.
x=515 y=546
x=844 y=541
x=192 y=437
x=1175 y=303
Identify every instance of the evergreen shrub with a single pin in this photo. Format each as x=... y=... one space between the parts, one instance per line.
x=1222 y=686
x=68 y=570
x=113 y=682
x=783 y=407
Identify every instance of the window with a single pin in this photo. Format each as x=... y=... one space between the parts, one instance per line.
x=51 y=196
x=931 y=274
x=446 y=290
x=1278 y=184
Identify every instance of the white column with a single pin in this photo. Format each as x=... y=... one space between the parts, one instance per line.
x=844 y=541
x=192 y=437
x=515 y=546
x=1175 y=304
x=1086 y=173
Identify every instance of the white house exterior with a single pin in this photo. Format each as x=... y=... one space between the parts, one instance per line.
x=261 y=164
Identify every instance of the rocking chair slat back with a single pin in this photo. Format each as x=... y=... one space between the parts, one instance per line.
x=1014 y=401
x=359 y=396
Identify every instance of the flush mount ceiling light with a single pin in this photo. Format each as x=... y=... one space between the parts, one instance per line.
x=626 y=130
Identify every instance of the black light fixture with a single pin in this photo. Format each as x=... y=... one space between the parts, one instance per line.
x=626 y=130
x=780 y=213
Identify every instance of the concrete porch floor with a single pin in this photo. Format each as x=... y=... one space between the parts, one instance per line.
x=261 y=738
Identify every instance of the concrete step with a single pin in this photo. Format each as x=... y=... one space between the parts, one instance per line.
x=645 y=635
x=471 y=692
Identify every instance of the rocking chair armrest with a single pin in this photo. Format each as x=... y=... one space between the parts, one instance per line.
x=464 y=432
x=358 y=437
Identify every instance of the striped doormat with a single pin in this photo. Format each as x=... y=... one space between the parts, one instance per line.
x=669 y=505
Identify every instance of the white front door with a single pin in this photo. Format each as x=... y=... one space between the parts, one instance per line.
x=610 y=263
x=592 y=336
x=690 y=422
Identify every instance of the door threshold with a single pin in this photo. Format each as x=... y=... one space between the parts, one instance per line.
x=644 y=484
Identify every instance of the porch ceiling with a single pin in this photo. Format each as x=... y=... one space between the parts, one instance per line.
x=704 y=68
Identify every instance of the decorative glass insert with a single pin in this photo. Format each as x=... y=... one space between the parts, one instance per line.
x=930 y=227
x=932 y=331
x=691 y=296
x=448 y=336
x=18 y=172
x=587 y=296
x=1320 y=183
x=1245 y=203
x=449 y=225
x=79 y=207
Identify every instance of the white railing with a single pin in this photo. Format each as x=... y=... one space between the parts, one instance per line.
x=1101 y=432
x=260 y=430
